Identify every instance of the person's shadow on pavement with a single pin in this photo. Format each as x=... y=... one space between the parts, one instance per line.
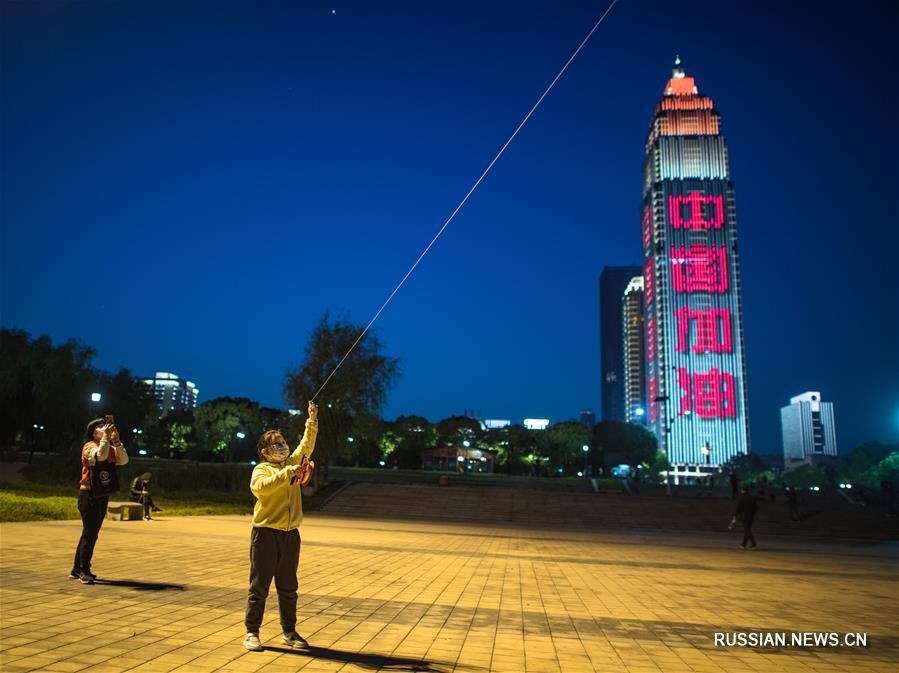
x=140 y=586
x=372 y=661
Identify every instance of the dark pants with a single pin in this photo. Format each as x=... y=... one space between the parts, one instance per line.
x=93 y=511
x=145 y=500
x=747 y=532
x=273 y=554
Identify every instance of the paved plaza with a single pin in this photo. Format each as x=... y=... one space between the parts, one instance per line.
x=418 y=596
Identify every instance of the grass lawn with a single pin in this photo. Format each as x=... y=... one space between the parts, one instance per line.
x=40 y=502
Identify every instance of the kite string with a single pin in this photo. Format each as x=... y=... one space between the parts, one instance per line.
x=464 y=200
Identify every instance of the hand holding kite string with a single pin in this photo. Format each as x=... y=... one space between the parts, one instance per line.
x=313 y=411
x=470 y=192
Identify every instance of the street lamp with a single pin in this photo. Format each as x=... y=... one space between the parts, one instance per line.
x=96 y=397
x=239 y=435
x=707 y=452
x=586 y=449
x=666 y=428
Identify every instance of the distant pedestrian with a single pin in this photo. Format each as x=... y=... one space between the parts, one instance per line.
x=745 y=513
x=140 y=492
x=734 y=485
x=101 y=453
x=793 y=502
x=889 y=495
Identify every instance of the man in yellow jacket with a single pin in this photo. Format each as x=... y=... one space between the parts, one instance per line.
x=275 y=538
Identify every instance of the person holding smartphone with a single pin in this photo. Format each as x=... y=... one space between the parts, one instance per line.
x=275 y=536
x=101 y=453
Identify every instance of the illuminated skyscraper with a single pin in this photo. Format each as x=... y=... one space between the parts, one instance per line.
x=632 y=338
x=172 y=393
x=612 y=283
x=695 y=360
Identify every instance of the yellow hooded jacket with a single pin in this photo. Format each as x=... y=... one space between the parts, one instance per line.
x=278 y=502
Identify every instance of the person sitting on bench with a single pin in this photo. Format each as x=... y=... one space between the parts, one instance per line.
x=140 y=492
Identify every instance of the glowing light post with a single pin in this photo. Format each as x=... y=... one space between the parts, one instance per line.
x=95 y=402
x=707 y=452
x=586 y=449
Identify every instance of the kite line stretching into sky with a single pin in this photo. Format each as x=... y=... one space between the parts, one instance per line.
x=470 y=192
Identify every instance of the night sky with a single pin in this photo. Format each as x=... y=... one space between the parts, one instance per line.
x=189 y=186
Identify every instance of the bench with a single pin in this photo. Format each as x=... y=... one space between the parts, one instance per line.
x=117 y=510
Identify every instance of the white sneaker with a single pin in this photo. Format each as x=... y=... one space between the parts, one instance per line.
x=294 y=640
x=251 y=642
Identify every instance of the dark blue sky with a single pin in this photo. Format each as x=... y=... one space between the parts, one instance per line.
x=188 y=186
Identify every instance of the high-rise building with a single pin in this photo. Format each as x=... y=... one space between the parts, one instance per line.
x=632 y=338
x=172 y=393
x=612 y=283
x=588 y=418
x=695 y=360
x=808 y=428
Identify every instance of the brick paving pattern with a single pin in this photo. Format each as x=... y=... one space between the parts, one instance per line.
x=440 y=596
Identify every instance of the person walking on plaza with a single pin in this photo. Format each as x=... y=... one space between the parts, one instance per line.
x=793 y=502
x=101 y=453
x=140 y=492
x=745 y=513
x=889 y=496
x=734 y=485
x=275 y=535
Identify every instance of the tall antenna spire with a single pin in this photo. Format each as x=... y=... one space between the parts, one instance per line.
x=678 y=71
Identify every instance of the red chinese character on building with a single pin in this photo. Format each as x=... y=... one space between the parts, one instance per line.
x=705 y=212
x=713 y=332
x=707 y=394
x=650 y=338
x=649 y=282
x=699 y=268
x=647 y=226
x=686 y=386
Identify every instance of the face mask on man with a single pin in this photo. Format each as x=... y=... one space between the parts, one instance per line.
x=278 y=453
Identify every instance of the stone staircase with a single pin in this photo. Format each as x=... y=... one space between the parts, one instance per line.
x=823 y=516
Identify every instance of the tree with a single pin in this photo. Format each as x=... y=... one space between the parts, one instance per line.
x=129 y=398
x=44 y=390
x=455 y=430
x=519 y=442
x=219 y=423
x=615 y=442
x=404 y=439
x=748 y=467
x=654 y=469
x=562 y=447
x=352 y=397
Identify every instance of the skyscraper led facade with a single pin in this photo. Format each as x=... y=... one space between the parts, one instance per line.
x=612 y=283
x=808 y=428
x=695 y=360
x=632 y=338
